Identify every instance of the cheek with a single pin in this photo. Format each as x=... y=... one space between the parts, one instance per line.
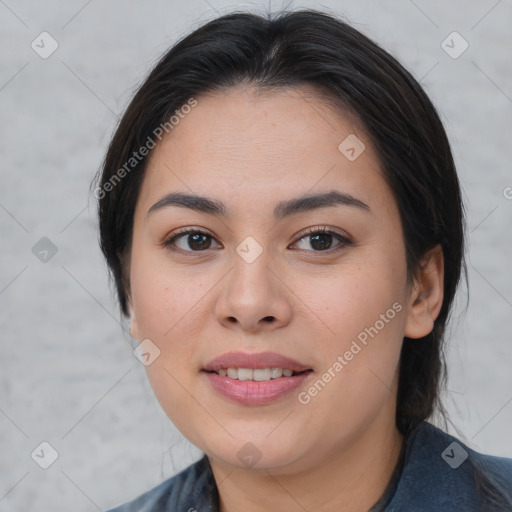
x=364 y=309
x=354 y=297
x=162 y=295
x=166 y=303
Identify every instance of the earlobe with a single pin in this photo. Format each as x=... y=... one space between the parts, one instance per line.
x=426 y=298
x=134 y=328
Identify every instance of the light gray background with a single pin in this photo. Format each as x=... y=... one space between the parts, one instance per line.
x=68 y=374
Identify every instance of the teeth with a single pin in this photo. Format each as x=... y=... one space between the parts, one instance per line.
x=275 y=373
x=245 y=374
x=261 y=374
x=258 y=374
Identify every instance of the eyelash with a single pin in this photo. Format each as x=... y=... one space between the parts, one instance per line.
x=323 y=230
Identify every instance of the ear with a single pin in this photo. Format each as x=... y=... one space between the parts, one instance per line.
x=134 y=326
x=426 y=296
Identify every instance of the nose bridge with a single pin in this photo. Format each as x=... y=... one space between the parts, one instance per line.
x=250 y=250
x=251 y=267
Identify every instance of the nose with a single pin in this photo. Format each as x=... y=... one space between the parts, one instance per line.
x=253 y=297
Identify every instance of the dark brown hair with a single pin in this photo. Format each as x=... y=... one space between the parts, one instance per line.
x=308 y=47
x=290 y=49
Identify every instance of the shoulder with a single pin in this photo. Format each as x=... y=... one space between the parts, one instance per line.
x=442 y=473
x=455 y=454
x=191 y=490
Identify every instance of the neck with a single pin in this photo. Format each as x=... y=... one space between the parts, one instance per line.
x=351 y=479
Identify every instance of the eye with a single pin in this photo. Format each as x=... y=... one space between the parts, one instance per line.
x=194 y=239
x=321 y=239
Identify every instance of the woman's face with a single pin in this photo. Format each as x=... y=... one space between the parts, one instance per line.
x=261 y=288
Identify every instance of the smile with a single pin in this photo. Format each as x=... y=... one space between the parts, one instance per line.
x=256 y=374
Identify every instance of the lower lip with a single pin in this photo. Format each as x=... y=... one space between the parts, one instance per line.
x=249 y=392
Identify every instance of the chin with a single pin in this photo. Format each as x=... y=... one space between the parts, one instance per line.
x=256 y=452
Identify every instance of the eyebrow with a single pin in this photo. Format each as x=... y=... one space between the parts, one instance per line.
x=283 y=209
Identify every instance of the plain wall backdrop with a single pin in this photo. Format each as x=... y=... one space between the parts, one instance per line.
x=68 y=373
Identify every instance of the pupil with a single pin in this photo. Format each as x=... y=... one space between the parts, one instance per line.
x=193 y=239
x=315 y=238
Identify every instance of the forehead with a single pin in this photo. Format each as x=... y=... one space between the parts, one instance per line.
x=263 y=143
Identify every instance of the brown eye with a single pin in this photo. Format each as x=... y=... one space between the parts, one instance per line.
x=322 y=240
x=190 y=241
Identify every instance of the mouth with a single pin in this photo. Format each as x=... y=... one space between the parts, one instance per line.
x=257 y=374
x=263 y=364
x=255 y=379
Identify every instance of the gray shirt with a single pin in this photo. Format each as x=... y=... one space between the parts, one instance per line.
x=435 y=472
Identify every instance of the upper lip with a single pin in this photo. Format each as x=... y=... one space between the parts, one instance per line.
x=253 y=361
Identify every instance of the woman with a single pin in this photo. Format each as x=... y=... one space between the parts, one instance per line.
x=281 y=214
